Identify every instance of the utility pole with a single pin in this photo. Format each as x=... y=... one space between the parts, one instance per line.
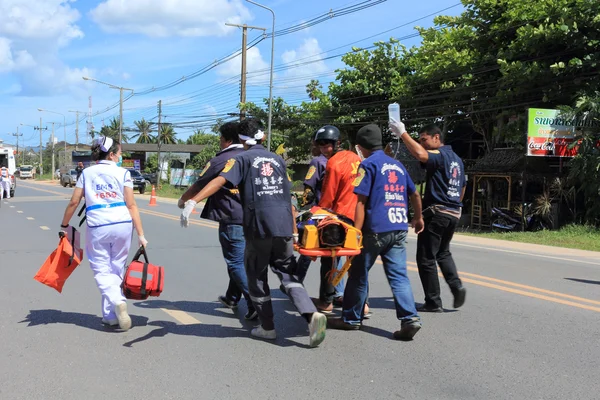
x=52 y=139
x=121 y=115
x=41 y=158
x=158 y=139
x=244 y=72
x=17 y=135
x=76 y=129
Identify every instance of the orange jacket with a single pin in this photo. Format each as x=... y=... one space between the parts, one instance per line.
x=338 y=193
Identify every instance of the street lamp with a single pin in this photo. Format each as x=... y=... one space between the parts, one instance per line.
x=64 y=127
x=120 y=101
x=271 y=78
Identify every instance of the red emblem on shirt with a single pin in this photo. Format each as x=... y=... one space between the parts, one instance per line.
x=392 y=177
x=266 y=169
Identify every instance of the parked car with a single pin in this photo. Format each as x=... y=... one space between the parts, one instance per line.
x=69 y=179
x=139 y=182
x=150 y=178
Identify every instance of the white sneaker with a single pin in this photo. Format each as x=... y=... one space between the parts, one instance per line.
x=110 y=322
x=261 y=333
x=317 y=327
x=122 y=316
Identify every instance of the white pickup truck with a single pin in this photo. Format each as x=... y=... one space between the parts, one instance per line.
x=7 y=159
x=26 y=172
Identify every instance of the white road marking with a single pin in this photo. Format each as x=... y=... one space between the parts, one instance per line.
x=12 y=206
x=44 y=228
x=30 y=218
x=20 y=212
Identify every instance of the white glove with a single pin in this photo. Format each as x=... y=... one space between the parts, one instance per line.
x=142 y=241
x=397 y=127
x=187 y=211
x=295 y=235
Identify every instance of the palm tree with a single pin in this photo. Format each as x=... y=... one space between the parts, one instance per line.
x=167 y=135
x=112 y=130
x=144 y=130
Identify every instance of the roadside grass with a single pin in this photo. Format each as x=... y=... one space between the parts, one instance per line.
x=580 y=237
x=43 y=177
x=169 y=191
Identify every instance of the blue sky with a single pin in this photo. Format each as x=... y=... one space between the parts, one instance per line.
x=47 y=46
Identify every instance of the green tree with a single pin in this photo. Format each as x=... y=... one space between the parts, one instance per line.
x=144 y=134
x=112 y=130
x=166 y=135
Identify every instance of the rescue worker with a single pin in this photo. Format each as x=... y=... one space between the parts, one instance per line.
x=4 y=183
x=110 y=212
x=225 y=207
x=269 y=229
x=79 y=169
x=337 y=195
x=313 y=184
x=442 y=207
x=383 y=187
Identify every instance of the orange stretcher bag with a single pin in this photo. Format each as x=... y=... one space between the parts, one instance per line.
x=142 y=279
x=62 y=262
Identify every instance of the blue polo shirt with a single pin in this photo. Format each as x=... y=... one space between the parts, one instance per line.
x=387 y=186
x=445 y=178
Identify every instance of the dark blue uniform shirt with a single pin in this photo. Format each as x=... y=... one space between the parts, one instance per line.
x=445 y=178
x=265 y=192
x=387 y=185
x=315 y=175
x=225 y=206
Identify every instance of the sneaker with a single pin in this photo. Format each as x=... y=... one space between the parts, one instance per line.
x=261 y=333
x=340 y=324
x=251 y=315
x=110 y=322
x=459 y=297
x=123 y=318
x=322 y=307
x=430 y=309
x=228 y=303
x=316 y=328
x=408 y=331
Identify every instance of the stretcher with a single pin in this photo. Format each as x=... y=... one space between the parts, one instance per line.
x=310 y=244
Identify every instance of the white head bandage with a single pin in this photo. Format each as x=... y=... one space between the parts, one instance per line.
x=252 y=141
x=105 y=143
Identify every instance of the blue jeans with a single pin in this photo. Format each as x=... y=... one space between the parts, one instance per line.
x=302 y=268
x=232 y=241
x=391 y=247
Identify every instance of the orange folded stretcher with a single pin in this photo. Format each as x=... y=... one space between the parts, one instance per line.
x=310 y=243
x=62 y=262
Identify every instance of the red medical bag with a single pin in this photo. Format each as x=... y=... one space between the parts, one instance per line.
x=142 y=279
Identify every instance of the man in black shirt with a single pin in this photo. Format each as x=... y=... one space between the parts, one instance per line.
x=442 y=207
x=269 y=229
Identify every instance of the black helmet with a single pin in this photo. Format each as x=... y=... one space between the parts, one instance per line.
x=328 y=132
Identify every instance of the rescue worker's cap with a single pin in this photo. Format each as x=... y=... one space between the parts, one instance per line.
x=369 y=137
x=328 y=132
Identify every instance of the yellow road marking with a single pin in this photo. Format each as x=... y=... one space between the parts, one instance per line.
x=181 y=316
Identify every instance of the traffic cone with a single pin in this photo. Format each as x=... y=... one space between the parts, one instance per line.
x=153 y=197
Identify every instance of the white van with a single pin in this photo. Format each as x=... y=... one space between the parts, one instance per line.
x=26 y=171
x=7 y=159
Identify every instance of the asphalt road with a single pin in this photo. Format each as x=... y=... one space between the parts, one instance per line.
x=529 y=329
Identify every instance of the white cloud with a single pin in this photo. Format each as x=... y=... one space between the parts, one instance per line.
x=254 y=62
x=31 y=34
x=39 y=19
x=170 y=18
x=309 y=51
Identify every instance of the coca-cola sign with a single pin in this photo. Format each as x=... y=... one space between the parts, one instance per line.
x=549 y=134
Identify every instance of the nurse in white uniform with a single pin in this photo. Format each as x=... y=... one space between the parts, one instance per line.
x=111 y=214
x=4 y=182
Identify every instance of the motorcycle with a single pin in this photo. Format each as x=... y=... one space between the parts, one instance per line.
x=504 y=220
